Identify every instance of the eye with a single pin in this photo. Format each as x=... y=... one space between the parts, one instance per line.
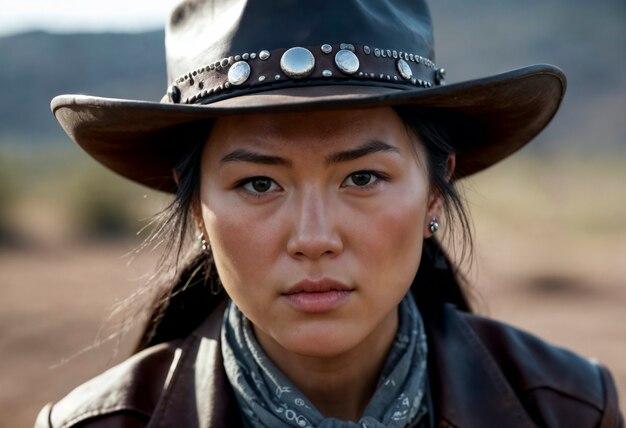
x=362 y=179
x=258 y=185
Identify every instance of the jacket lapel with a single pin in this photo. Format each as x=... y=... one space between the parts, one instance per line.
x=198 y=394
x=468 y=387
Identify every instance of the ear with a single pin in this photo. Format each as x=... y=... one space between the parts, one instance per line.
x=176 y=176
x=435 y=211
x=451 y=166
x=435 y=200
x=196 y=212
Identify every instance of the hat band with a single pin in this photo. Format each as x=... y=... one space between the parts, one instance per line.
x=341 y=62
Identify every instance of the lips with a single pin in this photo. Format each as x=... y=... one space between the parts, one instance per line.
x=320 y=286
x=317 y=296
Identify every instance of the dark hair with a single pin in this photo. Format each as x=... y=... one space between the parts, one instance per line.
x=196 y=290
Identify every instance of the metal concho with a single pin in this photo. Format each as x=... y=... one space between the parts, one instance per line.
x=347 y=61
x=173 y=94
x=297 y=62
x=404 y=69
x=440 y=76
x=239 y=73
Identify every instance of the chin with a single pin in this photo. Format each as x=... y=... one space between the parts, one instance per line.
x=318 y=341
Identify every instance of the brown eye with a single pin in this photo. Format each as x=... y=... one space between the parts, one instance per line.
x=360 y=179
x=261 y=185
x=364 y=180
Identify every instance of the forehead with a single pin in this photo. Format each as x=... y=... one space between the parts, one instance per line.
x=286 y=131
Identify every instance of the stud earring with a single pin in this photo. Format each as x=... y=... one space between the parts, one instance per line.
x=203 y=243
x=433 y=226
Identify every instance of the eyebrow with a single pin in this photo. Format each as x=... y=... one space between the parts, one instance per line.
x=242 y=155
x=370 y=147
x=375 y=146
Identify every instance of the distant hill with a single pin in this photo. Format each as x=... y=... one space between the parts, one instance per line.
x=473 y=39
x=586 y=39
x=37 y=66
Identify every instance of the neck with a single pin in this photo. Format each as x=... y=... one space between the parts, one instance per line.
x=342 y=385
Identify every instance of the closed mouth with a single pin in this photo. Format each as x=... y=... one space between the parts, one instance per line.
x=323 y=285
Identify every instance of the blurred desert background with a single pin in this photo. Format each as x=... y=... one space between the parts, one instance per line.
x=550 y=223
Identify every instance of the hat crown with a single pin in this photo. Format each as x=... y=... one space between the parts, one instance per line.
x=204 y=31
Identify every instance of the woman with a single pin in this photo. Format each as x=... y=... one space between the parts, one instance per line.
x=314 y=151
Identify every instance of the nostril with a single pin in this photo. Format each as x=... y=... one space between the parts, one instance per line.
x=314 y=249
x=314 y=252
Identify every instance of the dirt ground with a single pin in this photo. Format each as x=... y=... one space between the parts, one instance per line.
x=55 y=301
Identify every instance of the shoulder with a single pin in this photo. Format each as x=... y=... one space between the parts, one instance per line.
x=534 y=363
x=157 y=386
x=552 y=383
x=124 y=395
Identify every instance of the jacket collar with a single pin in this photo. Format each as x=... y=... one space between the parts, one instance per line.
x=198 y=393
x=468 y=386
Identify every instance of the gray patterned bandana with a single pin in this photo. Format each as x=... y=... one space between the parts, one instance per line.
x=268 y=399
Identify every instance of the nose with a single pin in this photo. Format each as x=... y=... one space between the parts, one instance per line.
x=314 y=232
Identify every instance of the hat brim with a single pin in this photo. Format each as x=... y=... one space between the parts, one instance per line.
x=139 y=139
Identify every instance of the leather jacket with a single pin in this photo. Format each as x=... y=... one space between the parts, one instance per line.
x=482 y=373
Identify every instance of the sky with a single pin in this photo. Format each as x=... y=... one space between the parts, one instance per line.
x=83 y=15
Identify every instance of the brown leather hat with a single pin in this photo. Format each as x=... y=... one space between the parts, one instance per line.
x=238 y=56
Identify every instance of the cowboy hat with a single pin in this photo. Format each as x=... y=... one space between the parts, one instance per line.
x=236 y=57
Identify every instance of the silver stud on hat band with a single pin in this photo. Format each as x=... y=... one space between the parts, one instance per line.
x=239 y=73
x=404 y=69
x=440 y=77
x=225 y=77
x=347 y=61
x=297 y=62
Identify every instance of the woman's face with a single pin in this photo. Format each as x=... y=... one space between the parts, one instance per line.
x=316 y=222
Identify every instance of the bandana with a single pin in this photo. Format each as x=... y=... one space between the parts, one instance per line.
x=267 y=398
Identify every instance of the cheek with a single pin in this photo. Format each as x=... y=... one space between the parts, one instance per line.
x=391 y=238
x=241 y=243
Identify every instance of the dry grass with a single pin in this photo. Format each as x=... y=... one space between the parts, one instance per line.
x=551 y=251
